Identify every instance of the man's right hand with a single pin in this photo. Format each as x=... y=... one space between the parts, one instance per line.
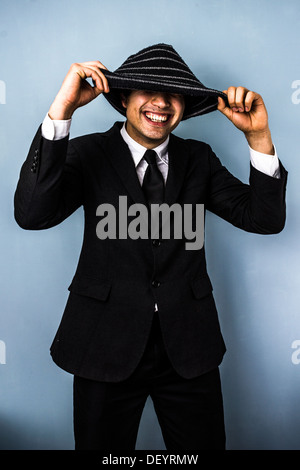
x=76 y=91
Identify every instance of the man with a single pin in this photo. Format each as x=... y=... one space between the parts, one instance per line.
x=140 y=319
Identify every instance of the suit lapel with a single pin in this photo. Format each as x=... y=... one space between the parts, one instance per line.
x=178 y=161
x=122 y=161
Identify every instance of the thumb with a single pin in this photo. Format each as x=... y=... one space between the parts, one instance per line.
x=223 y=102
x=223 y=106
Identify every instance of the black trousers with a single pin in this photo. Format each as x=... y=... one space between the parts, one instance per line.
x=189 y=411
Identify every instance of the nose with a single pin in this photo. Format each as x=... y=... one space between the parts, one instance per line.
x=161 y=100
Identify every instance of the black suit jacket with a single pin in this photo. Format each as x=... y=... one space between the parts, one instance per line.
x=107 y=319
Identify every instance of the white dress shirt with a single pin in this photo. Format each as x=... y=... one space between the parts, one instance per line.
x=56 y=130
x=137 y=152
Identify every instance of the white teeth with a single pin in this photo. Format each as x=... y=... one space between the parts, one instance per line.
x=156 y=117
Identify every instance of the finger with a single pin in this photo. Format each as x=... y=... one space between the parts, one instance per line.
x=97 y=66
x=93 y=63
x=240 y=94
x=231 y=95
x=236 y=99
x=99 y=84
x=249 y=99
x=100 y=80
x=94 y=72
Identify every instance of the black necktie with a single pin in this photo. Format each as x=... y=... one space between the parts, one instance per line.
x=153 y=184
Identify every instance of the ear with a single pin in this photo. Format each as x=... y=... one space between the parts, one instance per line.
x=123 y=100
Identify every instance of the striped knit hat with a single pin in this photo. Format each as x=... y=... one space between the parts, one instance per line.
x=160 y=68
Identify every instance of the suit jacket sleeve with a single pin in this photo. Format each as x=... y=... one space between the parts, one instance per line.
x=258 y=207
x=50 y=185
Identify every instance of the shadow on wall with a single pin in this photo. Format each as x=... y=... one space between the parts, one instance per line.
x=11 y=438
x=16 y=434
x=21 y=434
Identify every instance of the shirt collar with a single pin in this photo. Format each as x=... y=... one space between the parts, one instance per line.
x=137 y=150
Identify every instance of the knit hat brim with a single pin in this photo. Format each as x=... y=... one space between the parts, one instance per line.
x=160 y=68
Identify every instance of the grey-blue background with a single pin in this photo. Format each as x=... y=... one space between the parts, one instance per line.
x=254 y=43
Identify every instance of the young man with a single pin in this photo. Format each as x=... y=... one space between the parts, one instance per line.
x=140 y=319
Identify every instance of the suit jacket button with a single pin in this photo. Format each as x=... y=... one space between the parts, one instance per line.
x=155 y=283
x=155 y=243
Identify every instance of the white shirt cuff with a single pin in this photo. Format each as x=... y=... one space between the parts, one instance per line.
x=268 y=164
x=54 y=129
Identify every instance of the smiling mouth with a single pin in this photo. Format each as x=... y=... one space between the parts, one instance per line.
x=157 y=118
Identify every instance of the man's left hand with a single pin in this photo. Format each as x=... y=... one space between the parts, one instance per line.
x=247 y=111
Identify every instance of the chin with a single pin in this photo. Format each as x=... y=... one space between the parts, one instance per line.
x=156 y=136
